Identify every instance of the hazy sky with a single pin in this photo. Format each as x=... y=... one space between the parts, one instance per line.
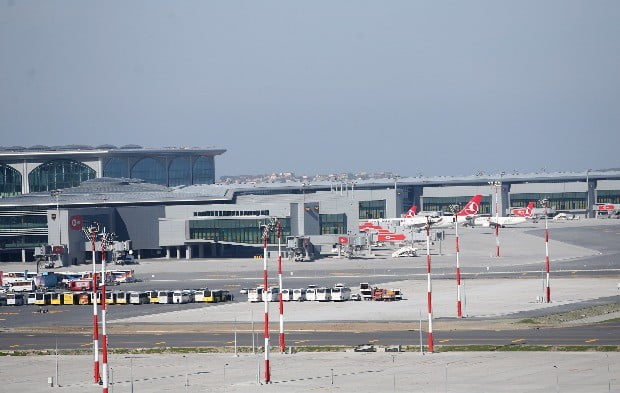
x=438 y=88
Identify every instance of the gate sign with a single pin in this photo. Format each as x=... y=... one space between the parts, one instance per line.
x=75 y=222
x=58 y=250
x=607 y=206
x=343 y=239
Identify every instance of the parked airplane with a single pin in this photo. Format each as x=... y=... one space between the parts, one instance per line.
x=412 y=220
x=520 y=215
x=523 y=212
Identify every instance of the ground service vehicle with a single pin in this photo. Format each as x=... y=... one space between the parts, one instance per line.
x=42 y=298
x=165 y=297
x=323 y=294
x=84 y=298
x=366 y=291
x=153 y=298
x=272 y=294
x=110 y=298
x=180 y=297
x=311 y=293
x=255 y=294
x=299 y=294
x=340 y=293
x=122 y=297
x=22 y=286
x=14 y=299
x=56 y=299
x=287 y=294
x=81 y=285
x=69 y=298
x=138 y=298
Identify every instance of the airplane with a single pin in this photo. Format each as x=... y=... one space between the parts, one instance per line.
x=523 y=212
x=520 y=216
x=412 y=220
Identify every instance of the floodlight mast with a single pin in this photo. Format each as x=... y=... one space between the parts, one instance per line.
x=267 y=228
x=91 y=233
x=459 y=312
x=544 y=202
x=106 y=239
x=429 y=289
x=281 y=300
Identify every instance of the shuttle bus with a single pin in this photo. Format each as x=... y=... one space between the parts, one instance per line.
x=299 y=294
x=165 y=297
x=138 y=298
x=180 y=297
x=311 y=293
x=56 y=299
x=323 y=294
x=14 y=299
x=255 y=295
x=69 y=298
x=22 y=286
x=340 y=293
x=42 y=298
x=287 y=295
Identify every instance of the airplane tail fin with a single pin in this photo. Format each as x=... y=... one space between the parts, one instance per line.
x=529 y=209
x=412 y=211
x=471 y=208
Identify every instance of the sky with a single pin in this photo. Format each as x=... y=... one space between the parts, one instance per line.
x=449 y=88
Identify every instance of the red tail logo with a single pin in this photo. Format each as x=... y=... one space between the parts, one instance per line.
x=471 y=209
x=527 y=212
x=411 y=212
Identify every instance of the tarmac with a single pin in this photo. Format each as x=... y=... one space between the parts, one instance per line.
x=364 y=372
x=324 y=372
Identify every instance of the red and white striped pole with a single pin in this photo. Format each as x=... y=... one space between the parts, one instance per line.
x=104 y=336
x=282 y=346
x=429 y=293
x=497 y=184
x=548 y=288
x=459 y=312
x=266 y=301
x=97 y=377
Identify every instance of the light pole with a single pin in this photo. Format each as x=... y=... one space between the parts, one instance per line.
x=429 y=285
x=459 y=313
x=496 y=184
x=56 y=194
x=548 y=288
x=588 y=192
x=91 y=233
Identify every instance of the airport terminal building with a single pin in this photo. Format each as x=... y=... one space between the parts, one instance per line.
x=165 y=201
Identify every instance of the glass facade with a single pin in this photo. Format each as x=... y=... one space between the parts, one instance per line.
x=372 y=209
x=150 y=170
x=442 y=204
x=608 y=196
x=57 y=174
x=247 y=231
x=179 y=172
x=333 y=224
x=10 y=181
x=116 y=167
x=23 y=228
x=557 y=200
x=204 y=171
